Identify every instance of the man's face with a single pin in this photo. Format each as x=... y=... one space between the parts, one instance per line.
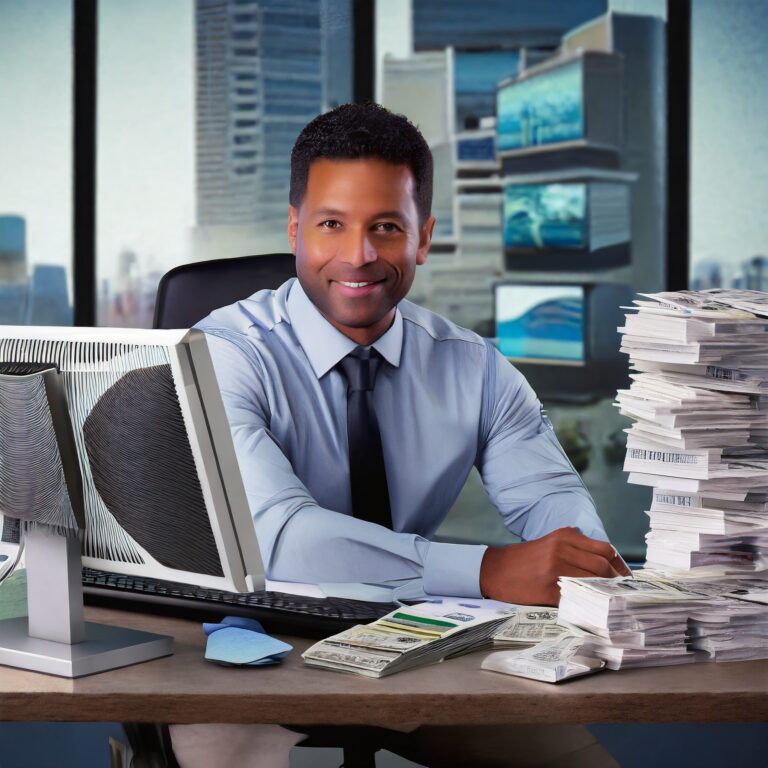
x=357 y=240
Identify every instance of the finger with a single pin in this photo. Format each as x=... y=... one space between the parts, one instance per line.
x=603 y=548
x=597 y=565
x=617 y=561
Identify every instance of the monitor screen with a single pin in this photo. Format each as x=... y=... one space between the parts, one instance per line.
x=545 y=108
x=545 y=216
x=541 y=323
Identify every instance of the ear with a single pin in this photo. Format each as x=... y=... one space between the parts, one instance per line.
x=425 y=240
x=293 y=227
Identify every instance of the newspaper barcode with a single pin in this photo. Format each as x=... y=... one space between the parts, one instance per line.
x=678 y=501
x=644 y=454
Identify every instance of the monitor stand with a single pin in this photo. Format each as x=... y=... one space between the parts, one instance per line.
x=55 y=638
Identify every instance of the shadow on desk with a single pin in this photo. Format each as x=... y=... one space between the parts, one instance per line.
x=736 y=745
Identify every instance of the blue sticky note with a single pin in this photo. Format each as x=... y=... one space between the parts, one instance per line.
x=235 y=645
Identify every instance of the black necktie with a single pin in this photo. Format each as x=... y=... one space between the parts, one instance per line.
x=368 y=477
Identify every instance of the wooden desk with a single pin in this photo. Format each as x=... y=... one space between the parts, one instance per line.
x=184 y=688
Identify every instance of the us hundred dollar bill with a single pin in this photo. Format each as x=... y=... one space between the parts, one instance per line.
x=530 y=625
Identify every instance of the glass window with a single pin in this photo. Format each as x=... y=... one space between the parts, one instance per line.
x=36 y=148
x=546 y=123
x=729 y=111
x=215 y=92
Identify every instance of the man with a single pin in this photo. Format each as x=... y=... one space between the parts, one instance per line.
x=303 y=367
x=359 y=224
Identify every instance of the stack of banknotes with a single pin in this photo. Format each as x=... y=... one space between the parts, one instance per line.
x=699 y=401
x=412 y=636
x=654 y=620
x=540 y=648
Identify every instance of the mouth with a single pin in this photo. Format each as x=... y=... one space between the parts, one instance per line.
x=352 y=288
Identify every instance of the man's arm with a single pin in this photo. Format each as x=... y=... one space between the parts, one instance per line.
x=299 y=539
x=540 y=496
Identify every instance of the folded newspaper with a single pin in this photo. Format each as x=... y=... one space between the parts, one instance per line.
x=412 y=636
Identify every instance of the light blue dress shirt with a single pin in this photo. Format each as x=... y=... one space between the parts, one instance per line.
x=445 y=400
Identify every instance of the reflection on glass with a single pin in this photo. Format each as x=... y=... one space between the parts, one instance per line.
x=36 y=176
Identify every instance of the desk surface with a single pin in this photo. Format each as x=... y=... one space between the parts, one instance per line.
x=184 y=688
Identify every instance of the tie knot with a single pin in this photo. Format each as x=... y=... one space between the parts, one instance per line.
x=360 y=367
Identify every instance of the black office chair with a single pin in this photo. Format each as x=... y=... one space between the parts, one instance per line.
x=191 y=292
x=185 y=295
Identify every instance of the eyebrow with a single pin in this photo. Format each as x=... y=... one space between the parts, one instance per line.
x=380 y=215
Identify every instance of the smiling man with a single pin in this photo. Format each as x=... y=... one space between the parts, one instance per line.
x=329 y=506
x=357 y=416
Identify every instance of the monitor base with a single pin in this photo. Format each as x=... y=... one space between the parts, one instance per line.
x=105 y=647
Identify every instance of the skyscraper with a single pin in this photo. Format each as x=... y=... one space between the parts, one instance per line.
x=13 y=249
x=261 y=76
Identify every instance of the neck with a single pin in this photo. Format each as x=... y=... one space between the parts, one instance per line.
x=369 y=334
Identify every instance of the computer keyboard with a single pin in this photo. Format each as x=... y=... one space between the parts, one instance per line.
x=277 y=611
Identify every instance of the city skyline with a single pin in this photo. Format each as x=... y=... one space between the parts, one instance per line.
x=146 y=156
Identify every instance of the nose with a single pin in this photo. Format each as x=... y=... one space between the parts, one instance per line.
x=358 y=250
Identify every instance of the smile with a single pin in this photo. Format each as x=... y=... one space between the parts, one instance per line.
x=354 y=289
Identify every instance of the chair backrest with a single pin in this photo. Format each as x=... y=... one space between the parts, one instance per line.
x=188 y=293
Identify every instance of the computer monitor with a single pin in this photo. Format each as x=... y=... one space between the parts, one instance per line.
x=541 y=323
x=572 y=220
x=570 y=103
x=562 y=336
x=162 y=490
x=163 y=493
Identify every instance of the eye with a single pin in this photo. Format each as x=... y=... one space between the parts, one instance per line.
x=386 y=227
x=330 y=224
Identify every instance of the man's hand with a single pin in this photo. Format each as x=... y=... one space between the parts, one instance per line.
x=527 y=573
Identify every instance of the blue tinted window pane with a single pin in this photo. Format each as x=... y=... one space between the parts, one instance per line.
x=215 y=93
x=36 y=176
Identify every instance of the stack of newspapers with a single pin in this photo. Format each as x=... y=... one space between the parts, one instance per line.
x=632 y=622
x=412 y=636
x=699 y=401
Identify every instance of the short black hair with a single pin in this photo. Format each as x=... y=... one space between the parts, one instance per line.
x=355 y=131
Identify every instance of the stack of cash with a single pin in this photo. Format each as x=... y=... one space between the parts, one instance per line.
x=633 y=622
x=654 y=620
x=531 y=624
x=412 y=636
x=699 y=401
x=729 y=629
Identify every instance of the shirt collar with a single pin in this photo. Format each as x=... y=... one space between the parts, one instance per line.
x=324 y=345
